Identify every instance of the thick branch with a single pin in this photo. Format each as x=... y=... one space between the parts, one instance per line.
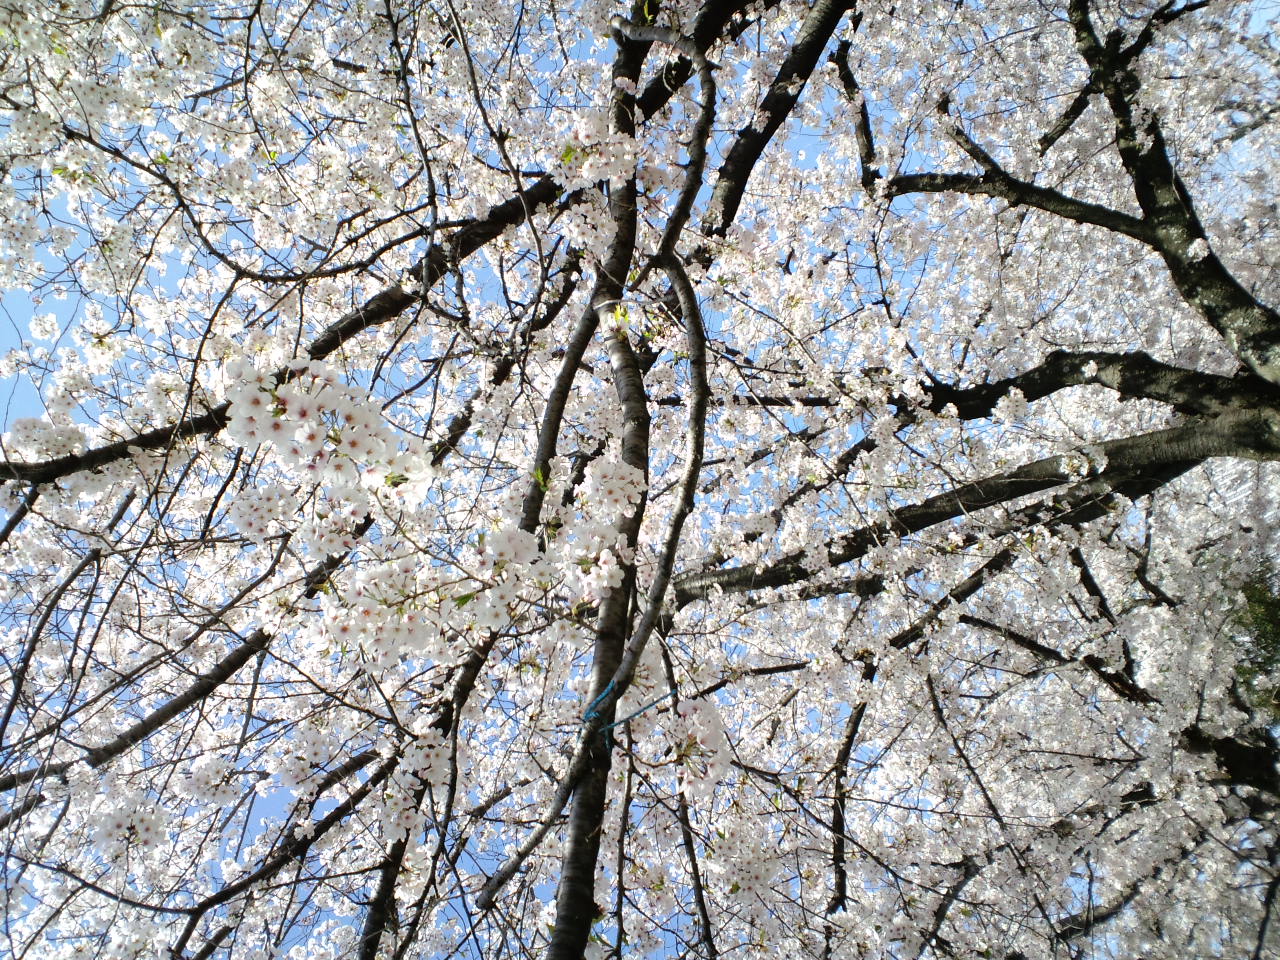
x=869 y=173
x=1132 y=375
x=1250 y=327
x=715 y=22
x=1252 y=435
x=819 y=24
x=575 y=906
x=1249 y=759
x=381 y=308
x=1000 y=185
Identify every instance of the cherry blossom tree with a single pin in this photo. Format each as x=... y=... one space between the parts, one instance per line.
x=690 y=480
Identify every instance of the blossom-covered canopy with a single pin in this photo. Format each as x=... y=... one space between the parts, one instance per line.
x=710 y=480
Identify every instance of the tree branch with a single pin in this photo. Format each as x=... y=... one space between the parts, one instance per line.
x=1248 y=434
x=1250 y=328
x=1000 y=185
x=819 y=24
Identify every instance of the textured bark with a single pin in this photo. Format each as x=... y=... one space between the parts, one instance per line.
x=576 y=909
x=1001 y=186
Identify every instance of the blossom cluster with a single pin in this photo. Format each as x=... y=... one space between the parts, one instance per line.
x=34 y=438
x=703 y=748
x=743 y=861
x=126 y=822
x=320 y=426
x=593 y=153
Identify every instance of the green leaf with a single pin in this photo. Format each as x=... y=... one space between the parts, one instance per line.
x=1259 y=665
